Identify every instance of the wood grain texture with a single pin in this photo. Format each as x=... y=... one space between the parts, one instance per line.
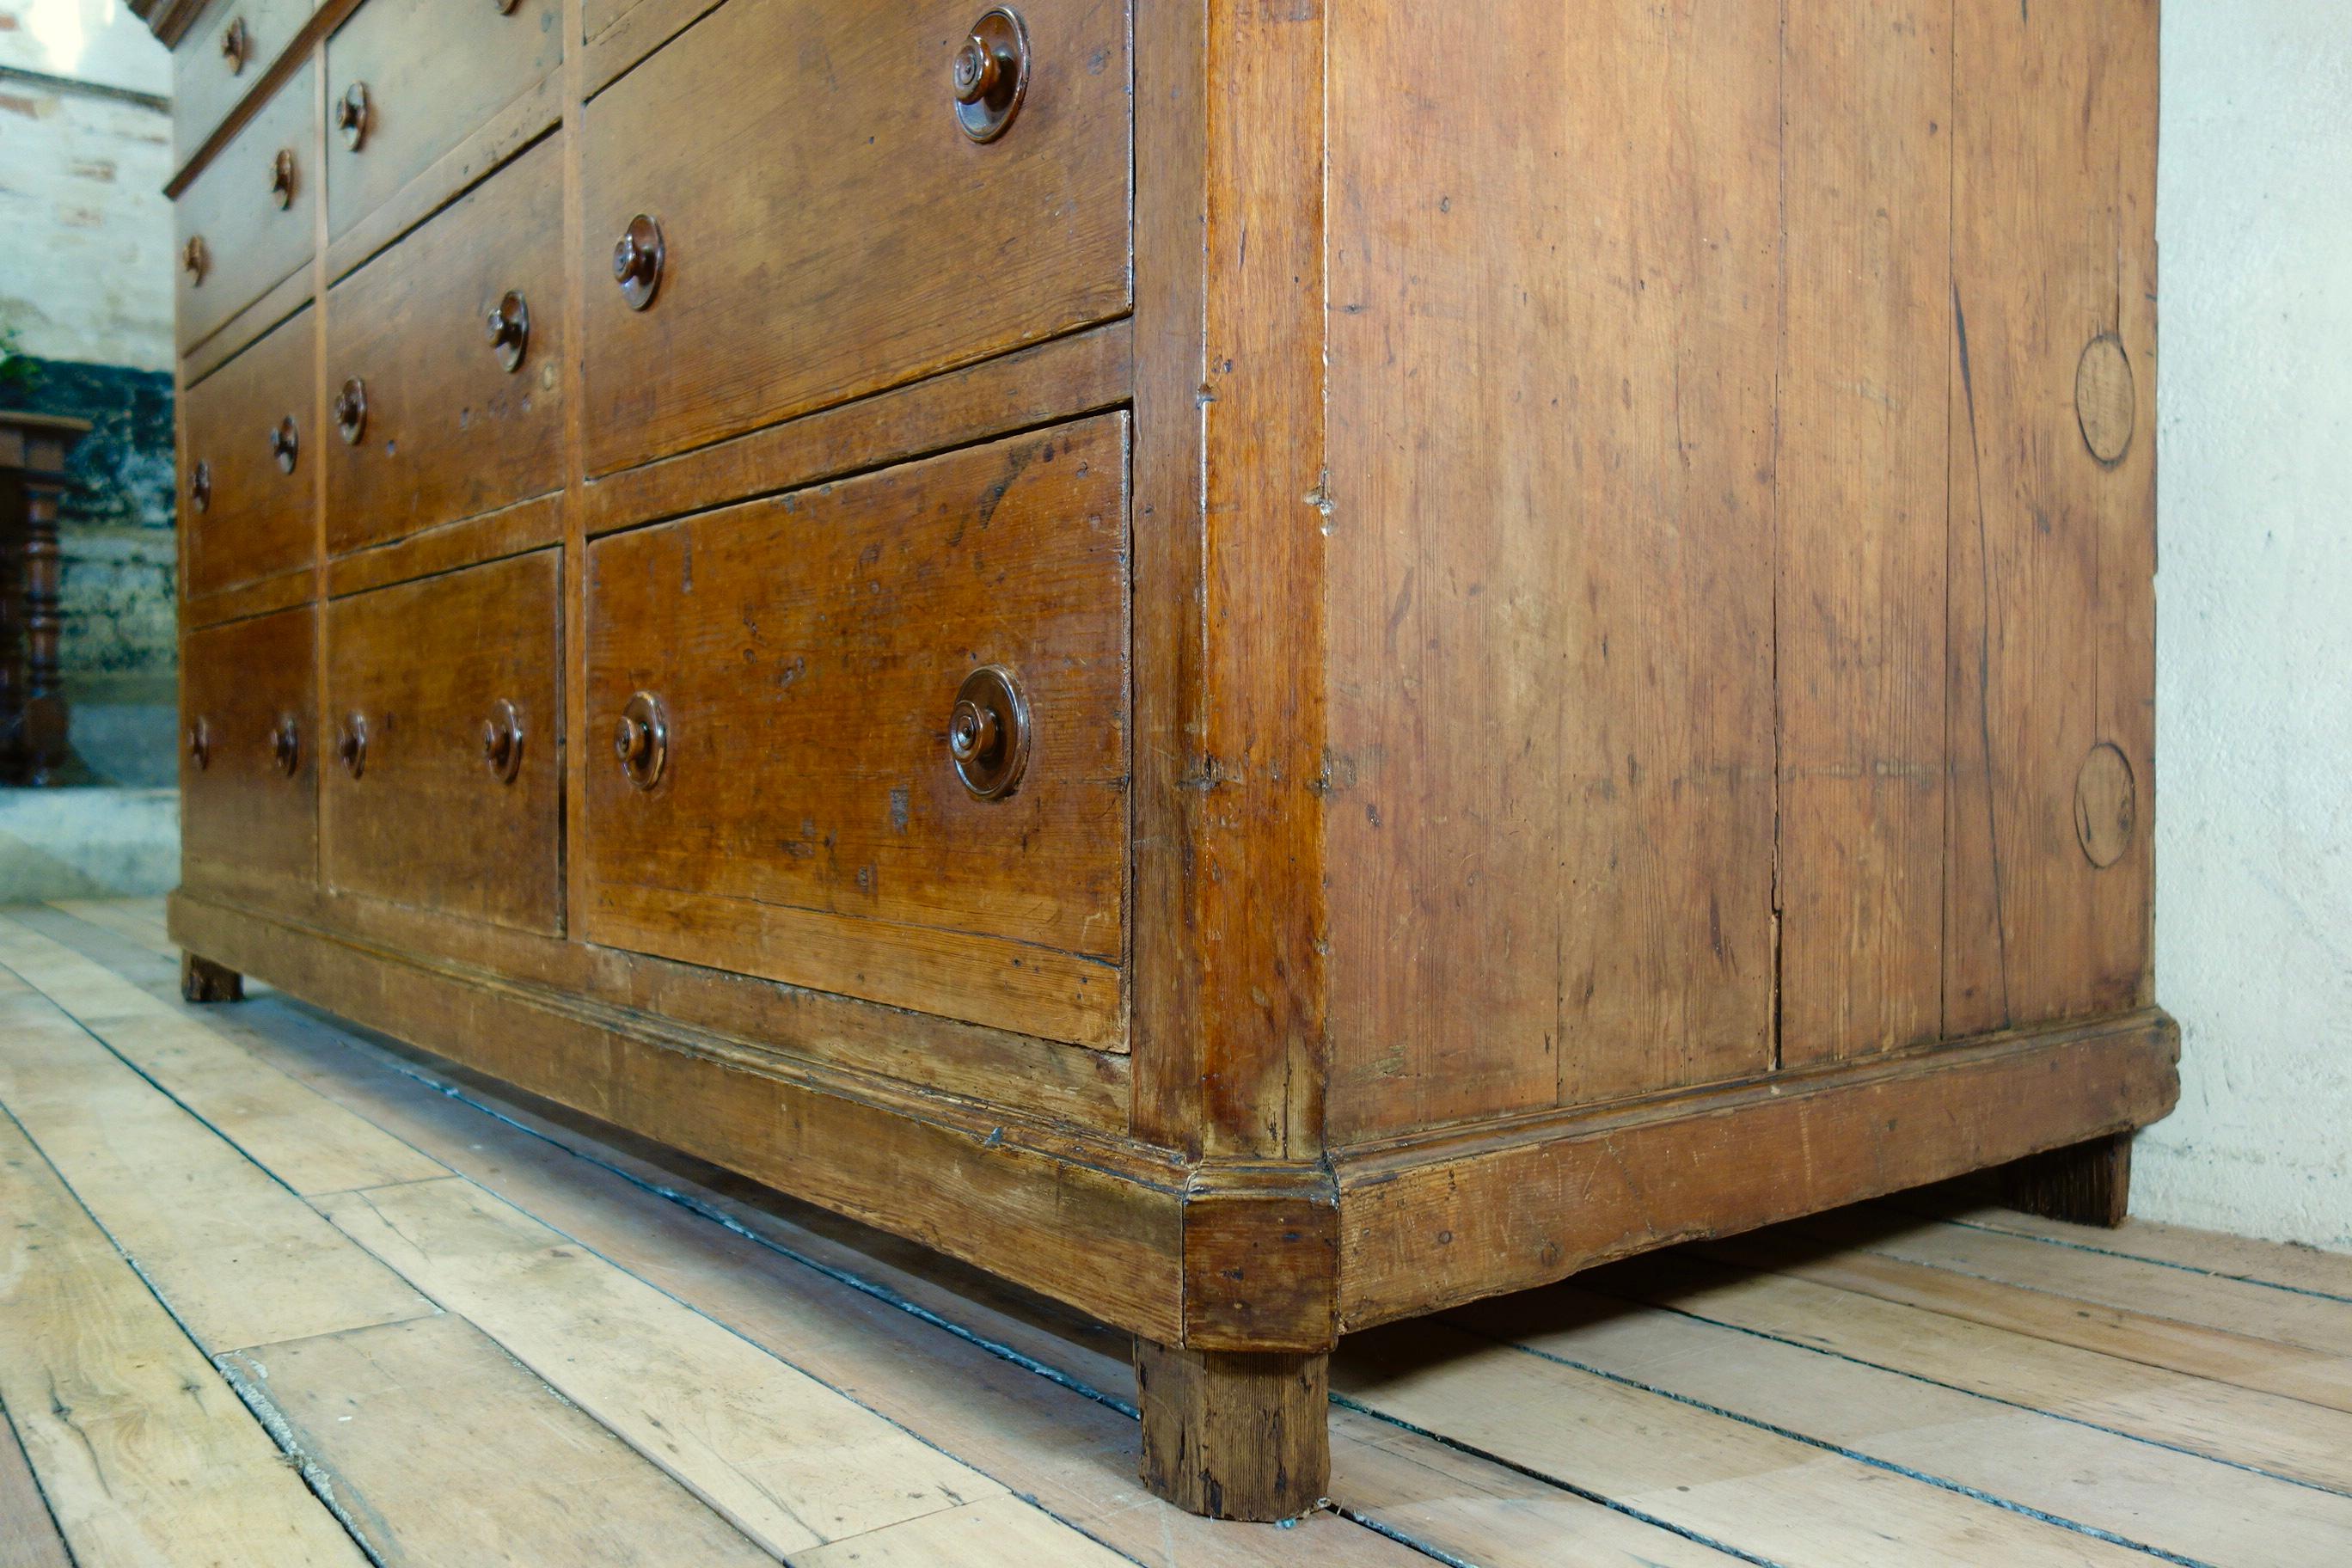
x=1863 y=476
x=2053 y=553
x=1088 y=1220
x=239 y=1259
x=28 y=1532
x=1553 y=353
x=433 y=75
x=143 y=1454
x=1234 y=1436
x=1433 y=1223
x=237 y=810
x=2089 y=1182
x=516 y=529
x=425 y=821
x=778 y=299
x=451 y=433
x=260 y=519
x=396 y=1422
x=251 y=242
x=207 y=83
x=993 y=1532
x=808 y=824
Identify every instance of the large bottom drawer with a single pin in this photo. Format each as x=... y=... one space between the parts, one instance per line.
x=444 y=786
x=780 y=680
x=248 y=766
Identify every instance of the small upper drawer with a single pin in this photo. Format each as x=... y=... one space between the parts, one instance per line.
x=779 y=682
x=244 y=222
x=248 y=761
x=246 y=476
x=443 y=770
x=409 y=79
x=827 y=226
x=444 y=412
x=220 y=57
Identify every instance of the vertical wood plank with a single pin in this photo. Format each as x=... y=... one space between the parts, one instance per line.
x=1863 y=479
x=28 y=1536
x=1554 y=324
x=2052 y=564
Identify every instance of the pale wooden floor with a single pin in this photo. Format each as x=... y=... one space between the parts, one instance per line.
x=271 y=1293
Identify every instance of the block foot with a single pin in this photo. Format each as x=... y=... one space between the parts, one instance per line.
x=2089 y=1184
x=202 y=979
x=1234 y=1436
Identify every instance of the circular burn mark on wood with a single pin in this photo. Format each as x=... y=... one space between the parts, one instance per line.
x=2106 y=805
x=2104 y=399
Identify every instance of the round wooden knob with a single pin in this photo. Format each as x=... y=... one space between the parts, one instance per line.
x=285 y=446
x=991 y=74
x=195 y=261
x=350 y=411
x=638 y=257
x=200 y=484
x=350 y=115
x=641 y=739
x=351 y=746
x=281 y=178
x=235 y=44
x=286 y=746
x=200 y=744
x=510 y=330
x=988 y=733
x=502 y=742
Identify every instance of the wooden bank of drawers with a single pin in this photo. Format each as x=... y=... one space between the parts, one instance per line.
x=444 y=786
x=826 y=226
x=799 y=815
x=216 y=62
x=244 y=221
x=448 y=417
x=248 y=759
x=409 y=79
x=248 y=475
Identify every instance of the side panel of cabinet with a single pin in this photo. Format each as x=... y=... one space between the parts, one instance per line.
x=249 y=765
x=450 y=432
x=427 y=683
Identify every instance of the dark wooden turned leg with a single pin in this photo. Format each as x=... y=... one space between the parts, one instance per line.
x=202 y=979
x=1234 y=1436
x=2089 y=1184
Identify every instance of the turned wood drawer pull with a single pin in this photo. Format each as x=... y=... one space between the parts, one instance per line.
x=286 y=746
x=281 y=178
x=195 y=261
x=510 y=324
x=351 y=115
x=992 y=73
x=235 y=44
x=638 y=261
x=351 y=746
x=285 y=445
x=350 y=411
x=988 y=733
x=641 y=739
x=502 y=742
x=200 y=744
x=200 y=485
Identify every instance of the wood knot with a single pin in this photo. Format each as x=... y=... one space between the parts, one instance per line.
x=2105 y=399
x=2106 y=805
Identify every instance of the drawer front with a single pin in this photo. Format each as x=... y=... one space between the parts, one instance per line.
x=248 y=761
x=424 y=812
x=236 y=240
x=449 y=430
x=246 y=477
x=219 y=59
x=431 y=72
x=804 y=656
x=827 y=226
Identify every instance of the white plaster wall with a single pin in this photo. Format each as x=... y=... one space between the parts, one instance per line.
x=88 y=273
x=2254 y=620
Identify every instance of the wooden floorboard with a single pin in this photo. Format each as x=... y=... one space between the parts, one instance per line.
x=28 y=1534
x=693 y=1365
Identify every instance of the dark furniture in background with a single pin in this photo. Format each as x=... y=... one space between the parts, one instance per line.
x=33 y=715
